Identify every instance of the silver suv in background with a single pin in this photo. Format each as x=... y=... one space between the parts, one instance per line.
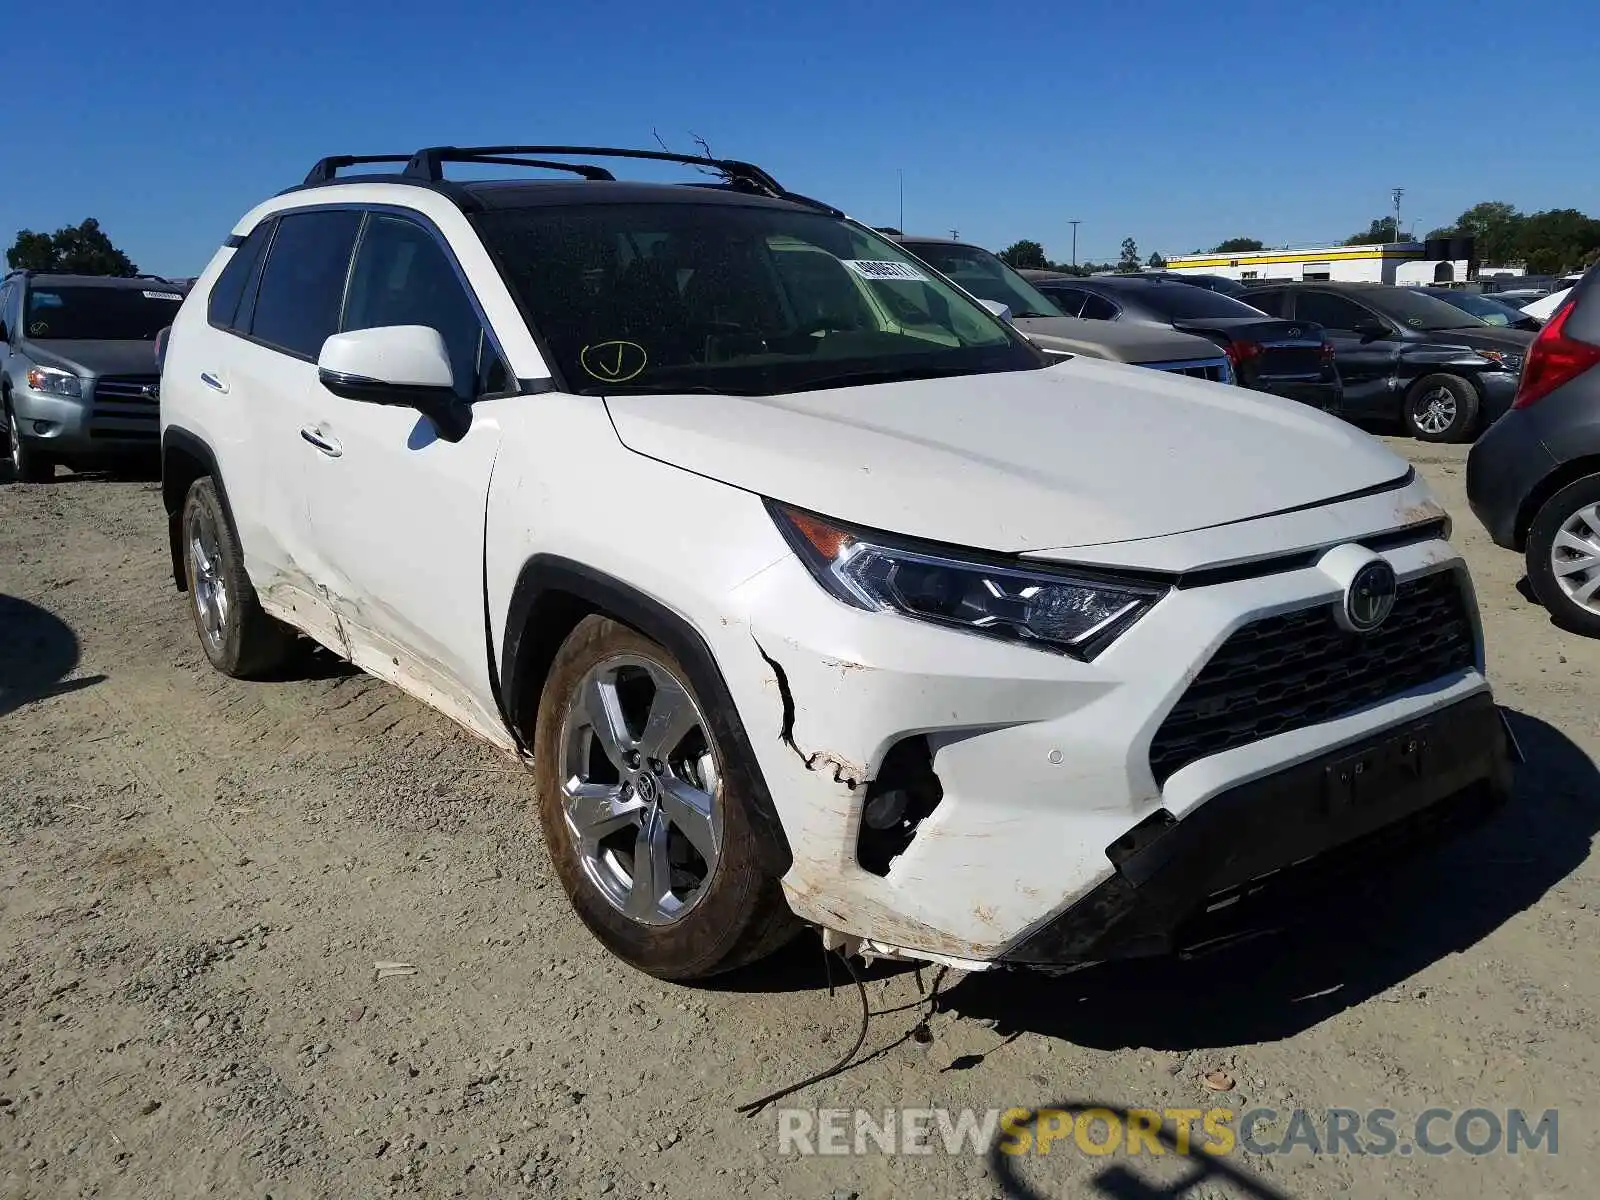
x=79 y=380
x=988 y=277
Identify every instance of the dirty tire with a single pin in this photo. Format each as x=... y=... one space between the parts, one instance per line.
x=249 y=643
x=29 y=464
x=740 y=914
x=1460 y=400
x=1576 y=504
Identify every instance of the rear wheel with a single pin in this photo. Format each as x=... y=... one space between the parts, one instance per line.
x=650 y=836
x=1563 y=555
x=1441 y=408
x=27 y=464
x=237 y=636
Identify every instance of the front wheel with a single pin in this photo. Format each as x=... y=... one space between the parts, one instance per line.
x=649 y=833
x=1441 y=408
x=27 y=464
x=1563 y=555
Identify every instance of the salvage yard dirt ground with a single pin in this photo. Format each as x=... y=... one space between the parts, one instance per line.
x=198 y=876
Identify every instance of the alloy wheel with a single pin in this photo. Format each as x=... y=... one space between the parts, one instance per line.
x=14 y=435
x=211 y=600
x=1575 y=557
x=640 y=789
x=1436 y=410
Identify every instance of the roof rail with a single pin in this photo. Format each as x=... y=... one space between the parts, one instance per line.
x=427 y=164
x=327 y=168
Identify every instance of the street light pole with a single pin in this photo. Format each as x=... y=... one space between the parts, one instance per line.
x=901 y=172
x=1074 y=225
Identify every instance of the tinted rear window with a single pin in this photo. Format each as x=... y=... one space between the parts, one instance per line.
x=229 y=288
x=1183 y=302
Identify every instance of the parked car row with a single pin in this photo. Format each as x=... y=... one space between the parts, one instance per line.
x=816 y=591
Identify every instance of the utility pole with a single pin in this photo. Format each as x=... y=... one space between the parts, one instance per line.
x=901 y=171
x=1397 y=193
x=955 y=235
x=1074 y=225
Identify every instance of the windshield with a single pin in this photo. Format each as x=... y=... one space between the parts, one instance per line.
x=1490 y=312
x=986 y=276
x=745 y=299
x=1417 y=311
x=1184 y=302
x=99 y=314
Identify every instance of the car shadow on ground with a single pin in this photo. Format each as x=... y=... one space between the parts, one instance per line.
x=1358 y=944
x=37 y=653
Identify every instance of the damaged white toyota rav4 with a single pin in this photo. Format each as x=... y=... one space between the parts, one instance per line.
x=814 y=594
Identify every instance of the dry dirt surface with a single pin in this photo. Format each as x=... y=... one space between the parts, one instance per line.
x=198 y=875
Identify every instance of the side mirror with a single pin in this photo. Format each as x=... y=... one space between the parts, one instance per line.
x=1372 y=330
x=401 y=365
x=1003 y=311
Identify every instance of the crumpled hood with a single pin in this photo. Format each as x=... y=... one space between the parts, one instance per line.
x=93 y=358
x=1083 y=452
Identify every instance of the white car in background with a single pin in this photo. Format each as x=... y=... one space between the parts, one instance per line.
x=808 y=610
x=1545 y=307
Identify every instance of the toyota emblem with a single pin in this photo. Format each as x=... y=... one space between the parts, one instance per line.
x=1369 y=599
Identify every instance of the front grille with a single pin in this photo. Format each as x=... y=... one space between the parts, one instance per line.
x=1296 y=669
x=127 y=389
x=1214 y=369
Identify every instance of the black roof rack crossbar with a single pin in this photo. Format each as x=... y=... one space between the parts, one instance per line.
x=326 y=168
x=428 y=164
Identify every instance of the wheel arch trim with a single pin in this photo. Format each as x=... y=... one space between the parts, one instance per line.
x=525 y=661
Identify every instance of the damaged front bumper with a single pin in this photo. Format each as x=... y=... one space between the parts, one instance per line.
x=1257 y=856
x=1014 y=774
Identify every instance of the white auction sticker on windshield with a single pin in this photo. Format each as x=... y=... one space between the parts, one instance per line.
x=163 y=296
x=880 y=271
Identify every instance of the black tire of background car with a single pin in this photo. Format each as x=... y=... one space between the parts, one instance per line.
x=32 y=465
x=1541 y=539
x=253 y=644
x=742 y=915
x=1466 y=420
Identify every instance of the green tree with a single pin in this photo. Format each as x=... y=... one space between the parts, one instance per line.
x=81 y=250
x=1380 y=230
x=1155 y=260
x=1025 y=255
x=1130 y=255
x=1557 y=240
x=1236 y=246
x=1495 y=227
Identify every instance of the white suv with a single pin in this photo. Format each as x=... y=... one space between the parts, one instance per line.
x=812 y=591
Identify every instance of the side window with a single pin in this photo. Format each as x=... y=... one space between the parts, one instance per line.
x=1068 y=300
x=302 y=287
x=1329 y=311
x=228 y=290
x=403 y=277
x=1268 y=301
x=5 y=307
x=1098 y=308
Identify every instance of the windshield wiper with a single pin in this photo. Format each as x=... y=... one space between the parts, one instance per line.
x=883 y=375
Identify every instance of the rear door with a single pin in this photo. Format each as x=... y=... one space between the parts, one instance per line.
x=398 y=512
x=1366 y=365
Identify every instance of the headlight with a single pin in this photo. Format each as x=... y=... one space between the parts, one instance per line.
x=1511 y=362
x=57 y=383
x=1054 y=610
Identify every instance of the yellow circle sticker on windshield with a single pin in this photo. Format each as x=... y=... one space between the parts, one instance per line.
x=613 y=362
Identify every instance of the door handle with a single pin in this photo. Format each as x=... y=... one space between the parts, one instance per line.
x=214 y=382
x=321 y=441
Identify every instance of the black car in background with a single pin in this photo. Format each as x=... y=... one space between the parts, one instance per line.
x=1404 y=356
x=1533 y=478
x=1500 y=313
x=1286 y=358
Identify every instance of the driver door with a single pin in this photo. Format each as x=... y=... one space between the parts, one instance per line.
x=397 y=511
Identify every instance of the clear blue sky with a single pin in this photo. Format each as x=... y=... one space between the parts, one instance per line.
x=1178 y=123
